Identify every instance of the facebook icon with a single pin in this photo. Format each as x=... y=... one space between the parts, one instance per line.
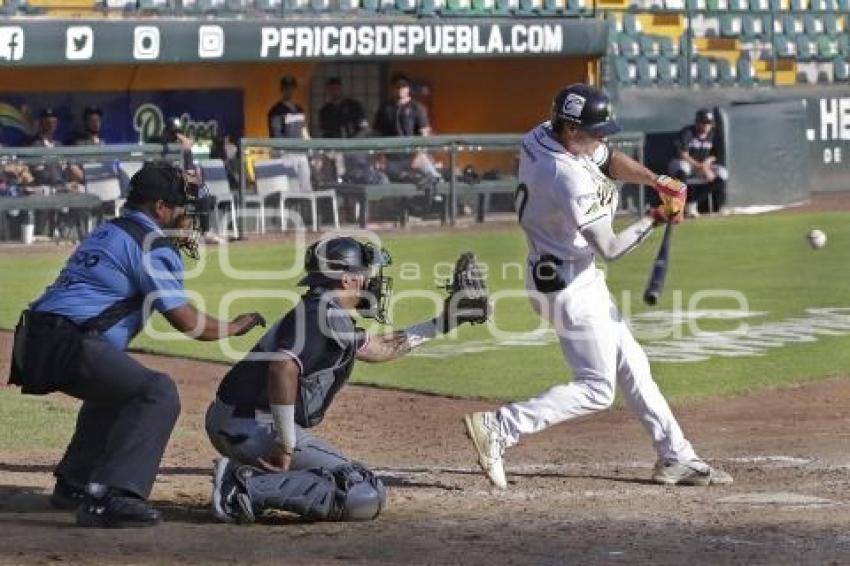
x=11 y=43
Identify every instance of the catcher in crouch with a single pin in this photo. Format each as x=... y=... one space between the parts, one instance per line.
x=266 y=403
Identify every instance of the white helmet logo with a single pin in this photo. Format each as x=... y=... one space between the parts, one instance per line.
x=573 y=105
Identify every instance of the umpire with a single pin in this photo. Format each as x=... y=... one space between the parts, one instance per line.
x=73 y=339
x=268 y=401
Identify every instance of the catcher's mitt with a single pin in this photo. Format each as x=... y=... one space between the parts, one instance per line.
x=468 y=300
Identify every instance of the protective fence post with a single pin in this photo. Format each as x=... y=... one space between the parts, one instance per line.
x=452 y=180
x=243 y=184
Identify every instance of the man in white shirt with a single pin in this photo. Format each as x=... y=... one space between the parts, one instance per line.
x=566 y=201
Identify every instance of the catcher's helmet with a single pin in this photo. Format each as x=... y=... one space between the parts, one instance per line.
x=585 y=106
x=326 y=261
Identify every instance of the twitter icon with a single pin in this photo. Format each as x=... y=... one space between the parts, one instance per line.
x=79 y=43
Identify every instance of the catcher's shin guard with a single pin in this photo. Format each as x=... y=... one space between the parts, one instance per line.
x=347 y=493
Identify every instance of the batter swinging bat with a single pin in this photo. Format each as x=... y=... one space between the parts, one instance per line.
x=659 y=269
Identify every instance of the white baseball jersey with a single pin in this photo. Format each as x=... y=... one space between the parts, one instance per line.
x=559 y=194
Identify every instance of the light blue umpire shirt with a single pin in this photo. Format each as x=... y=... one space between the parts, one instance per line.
x=105 y=282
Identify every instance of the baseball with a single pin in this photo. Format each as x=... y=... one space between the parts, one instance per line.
x=817 y=238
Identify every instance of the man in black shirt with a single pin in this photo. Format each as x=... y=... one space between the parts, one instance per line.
x=341 y=117
x=286 y=120
x=92 y=125
x=267 y=402
x=403 y=116
x=696 y=163
x=286 y=117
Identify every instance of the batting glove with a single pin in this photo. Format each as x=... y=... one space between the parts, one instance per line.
x=673 y=194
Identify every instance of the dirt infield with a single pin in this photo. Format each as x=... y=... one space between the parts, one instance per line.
x=578 y=493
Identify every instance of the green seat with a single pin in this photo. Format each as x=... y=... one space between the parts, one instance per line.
x=827 y=48
x=830 y=24
x=782 y=46
x=807 y=48
x=840 y=69
x=667 y=47
x=455 y=7
x=730 y=25
x=645 y=75
x=630 y=24
x=506 y=6
x=628 y=46
x=623 y=71
x=746 y=72
x=668 y=72
x=725 y=74
x=649 y=46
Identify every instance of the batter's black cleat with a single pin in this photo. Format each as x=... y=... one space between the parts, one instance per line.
x=117 y=511
x=66 y=496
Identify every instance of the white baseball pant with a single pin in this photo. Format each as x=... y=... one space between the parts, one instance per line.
x=599 y=346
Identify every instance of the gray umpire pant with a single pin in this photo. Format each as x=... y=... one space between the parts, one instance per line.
x=125 y=422
x=246 y=440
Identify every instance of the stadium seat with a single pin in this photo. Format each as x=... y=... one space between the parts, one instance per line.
x=807 y=48
x=624 y=71
x=647 y=72
x=784 y=47
x=752 y=27
x=631 y=25
x=216 y=180
x=759 y=5
x=119 y=5
x=103 y=182
x=628 y=46
x=706 y=72
x=730 y=25
x=526 y=7
x=667 y=47
x=843 y=43
x=739 y=5
x=507 y=6
x=746 y=72
x=841 y=70
x=831 y=24
x=273 y=6
x=668 y=71
x=696 y=4
x=793 y=25
x=827 y=48
x=813 y=25
x=799 y=5
x=824 y=5
x=649 y=46
x=156 y=6
x=406 y=6
x=717 y=5
x=725 y=73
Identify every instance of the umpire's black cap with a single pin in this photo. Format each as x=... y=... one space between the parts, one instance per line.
x=587 y=107
x=158 y=180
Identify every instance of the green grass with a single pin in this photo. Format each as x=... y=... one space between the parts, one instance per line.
x=34 y=422
x=766 y=258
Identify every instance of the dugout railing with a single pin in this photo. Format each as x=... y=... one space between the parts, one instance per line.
x=482 y=167
x=105 y=172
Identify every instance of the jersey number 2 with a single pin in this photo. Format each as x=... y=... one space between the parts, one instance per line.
x=520 y=199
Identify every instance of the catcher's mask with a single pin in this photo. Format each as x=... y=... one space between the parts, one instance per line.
x=326 y=261
x=160 y=180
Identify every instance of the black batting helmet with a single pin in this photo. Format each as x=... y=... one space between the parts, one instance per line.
x=586 y=107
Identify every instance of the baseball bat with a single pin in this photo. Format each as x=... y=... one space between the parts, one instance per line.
x=659 y=269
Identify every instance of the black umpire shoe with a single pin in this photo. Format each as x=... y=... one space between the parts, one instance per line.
x=117 y=511
x=66 y=496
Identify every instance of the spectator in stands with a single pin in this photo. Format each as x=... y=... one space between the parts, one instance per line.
x=403 y=116
x=286 y=120
x=92 y=124
x=341 y=117
x=55 y=175
x=696 y=164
